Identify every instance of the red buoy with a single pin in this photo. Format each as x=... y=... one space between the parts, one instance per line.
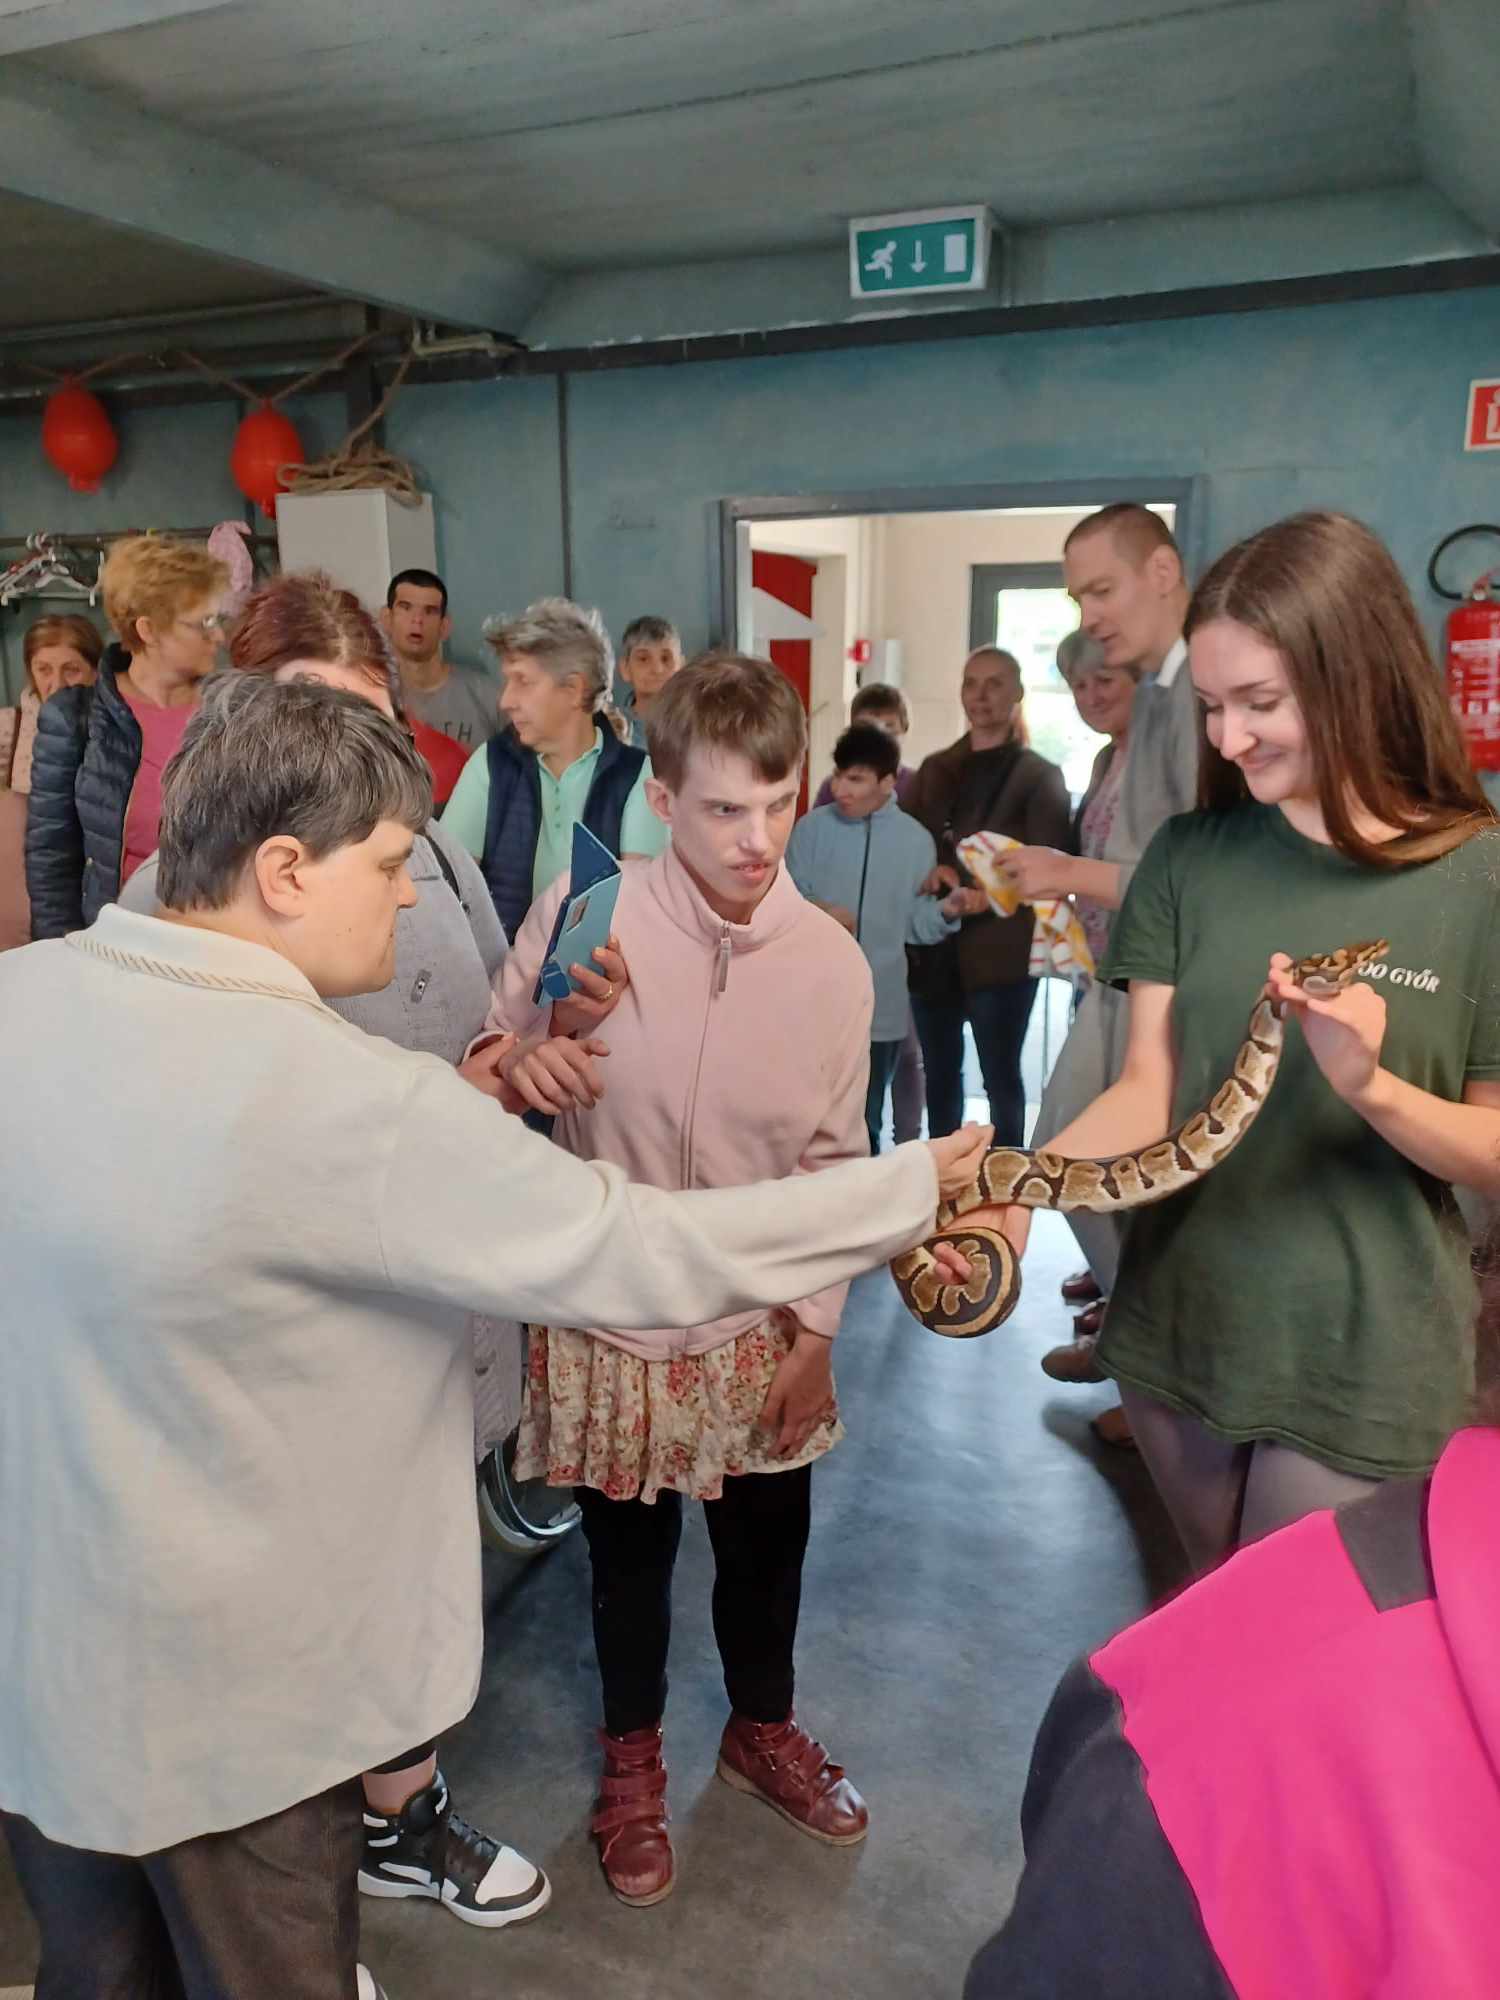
x=263 y=444
x=78 y=437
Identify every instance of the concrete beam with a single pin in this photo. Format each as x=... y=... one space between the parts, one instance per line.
x=1456 y=64
x=29 y=25
x=93 y=153
x=1247 y=243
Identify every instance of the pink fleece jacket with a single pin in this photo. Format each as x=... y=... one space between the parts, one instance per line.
x=1325 y=1767
x=738 y=1052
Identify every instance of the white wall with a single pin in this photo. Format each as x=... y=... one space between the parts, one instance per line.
x=925 y=601
x=832 y=673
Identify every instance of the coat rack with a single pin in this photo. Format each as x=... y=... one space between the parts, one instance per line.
x=55 y=565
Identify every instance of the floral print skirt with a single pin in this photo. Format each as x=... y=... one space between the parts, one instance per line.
x=599 y=1417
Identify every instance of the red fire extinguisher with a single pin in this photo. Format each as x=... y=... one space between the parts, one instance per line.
x=1472 y=654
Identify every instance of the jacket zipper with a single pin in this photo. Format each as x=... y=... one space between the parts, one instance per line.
x=859 y=914
x=134 y=782
x=718 y=981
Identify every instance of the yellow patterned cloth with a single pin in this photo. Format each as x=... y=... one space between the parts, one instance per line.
x=1058 y=945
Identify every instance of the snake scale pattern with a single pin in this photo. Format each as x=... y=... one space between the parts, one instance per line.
x=1011 y=1178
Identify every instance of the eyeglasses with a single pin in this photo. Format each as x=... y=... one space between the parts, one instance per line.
x=214 y=622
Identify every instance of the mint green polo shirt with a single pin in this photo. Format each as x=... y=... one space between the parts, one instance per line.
x=563 y=800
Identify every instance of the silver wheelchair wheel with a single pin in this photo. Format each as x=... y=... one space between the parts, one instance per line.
x=523 y=1517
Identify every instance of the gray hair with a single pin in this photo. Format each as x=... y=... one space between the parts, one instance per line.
x=564 y=639
x=649 y=632
x=260 y=759
x=1078 y=653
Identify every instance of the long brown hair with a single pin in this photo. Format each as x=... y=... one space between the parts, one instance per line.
x=67 y=629
x=1327 y=595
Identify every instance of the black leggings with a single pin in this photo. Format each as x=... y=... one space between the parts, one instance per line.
x=759 y=1535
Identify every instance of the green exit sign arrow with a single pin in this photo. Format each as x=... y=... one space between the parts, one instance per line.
x=928 y=250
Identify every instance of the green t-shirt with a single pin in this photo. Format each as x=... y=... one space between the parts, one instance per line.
x=1315 y=1287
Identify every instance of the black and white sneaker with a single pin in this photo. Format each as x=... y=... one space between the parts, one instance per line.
x=427 y=1850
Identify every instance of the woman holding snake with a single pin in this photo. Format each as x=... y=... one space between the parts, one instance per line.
x=1294 y=1326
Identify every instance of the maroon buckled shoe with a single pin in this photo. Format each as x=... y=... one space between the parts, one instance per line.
x=1089 y=1324
x=782 y=1764
x=629 y=1825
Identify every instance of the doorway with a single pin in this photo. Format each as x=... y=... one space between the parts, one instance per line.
x=898 y=586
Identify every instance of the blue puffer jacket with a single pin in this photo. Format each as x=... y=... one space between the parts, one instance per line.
x=88 y=750
x=874 y=868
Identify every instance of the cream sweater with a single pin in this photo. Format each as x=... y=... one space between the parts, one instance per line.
x=239 y=1559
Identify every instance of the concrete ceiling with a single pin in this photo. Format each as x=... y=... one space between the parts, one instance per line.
x=63 y=266
x=460 y=159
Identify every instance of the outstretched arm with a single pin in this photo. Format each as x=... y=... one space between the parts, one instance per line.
x=1135 y=1109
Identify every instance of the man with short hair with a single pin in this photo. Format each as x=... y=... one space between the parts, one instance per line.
x=1123 y=569
x=885 y=707
x=460 y=701
x=864 y=861
x=221 y=1599
x=650 y=653
x=738 y=1048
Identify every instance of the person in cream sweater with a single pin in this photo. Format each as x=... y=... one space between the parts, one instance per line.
x=207 y=1384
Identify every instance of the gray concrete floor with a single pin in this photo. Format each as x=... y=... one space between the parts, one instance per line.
x=969 y=1538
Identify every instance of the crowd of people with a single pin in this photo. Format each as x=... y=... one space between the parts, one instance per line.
x=304 y=1004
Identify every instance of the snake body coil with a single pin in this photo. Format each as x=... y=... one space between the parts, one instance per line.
x=1011 y=1178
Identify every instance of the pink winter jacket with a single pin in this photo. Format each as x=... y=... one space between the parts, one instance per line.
x=738 y=1052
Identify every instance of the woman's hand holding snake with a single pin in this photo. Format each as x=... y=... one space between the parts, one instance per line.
x=1344 y=1023
x=1344 y=1034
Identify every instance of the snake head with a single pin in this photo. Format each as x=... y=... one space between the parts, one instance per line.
x=1325 y=973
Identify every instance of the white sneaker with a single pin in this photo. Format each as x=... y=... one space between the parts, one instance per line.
x=366 y=1987
x=427 y=1850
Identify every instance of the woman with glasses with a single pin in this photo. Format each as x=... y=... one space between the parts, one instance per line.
x=100 y=751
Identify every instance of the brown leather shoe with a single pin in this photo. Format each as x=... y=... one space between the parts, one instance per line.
x=780 y=1763
x=1073 y=1362
x=1113 y=1427
x=630 y=1819
x=1081 y=1288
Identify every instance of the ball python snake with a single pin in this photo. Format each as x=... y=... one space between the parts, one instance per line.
x=1010 y=1177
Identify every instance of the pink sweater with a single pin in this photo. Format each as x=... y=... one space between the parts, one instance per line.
x=738 y=1052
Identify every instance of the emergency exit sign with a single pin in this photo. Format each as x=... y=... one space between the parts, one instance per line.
x=928 y=250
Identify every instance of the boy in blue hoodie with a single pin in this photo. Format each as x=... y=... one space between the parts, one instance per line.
x=864 y=861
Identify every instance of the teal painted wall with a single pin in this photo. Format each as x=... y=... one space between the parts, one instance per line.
x=488 y=451
x=172 y=472
x=1358 y=407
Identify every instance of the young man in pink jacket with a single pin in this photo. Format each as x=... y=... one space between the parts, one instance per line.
x=739 y=1047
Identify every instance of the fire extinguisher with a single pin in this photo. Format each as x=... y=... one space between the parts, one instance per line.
x=1472 y=653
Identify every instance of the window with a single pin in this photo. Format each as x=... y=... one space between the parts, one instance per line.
x=1024 y=608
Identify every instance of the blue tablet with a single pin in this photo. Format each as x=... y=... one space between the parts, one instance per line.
x=585 y=920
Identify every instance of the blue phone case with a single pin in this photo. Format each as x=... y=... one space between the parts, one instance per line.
x=586 y=918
